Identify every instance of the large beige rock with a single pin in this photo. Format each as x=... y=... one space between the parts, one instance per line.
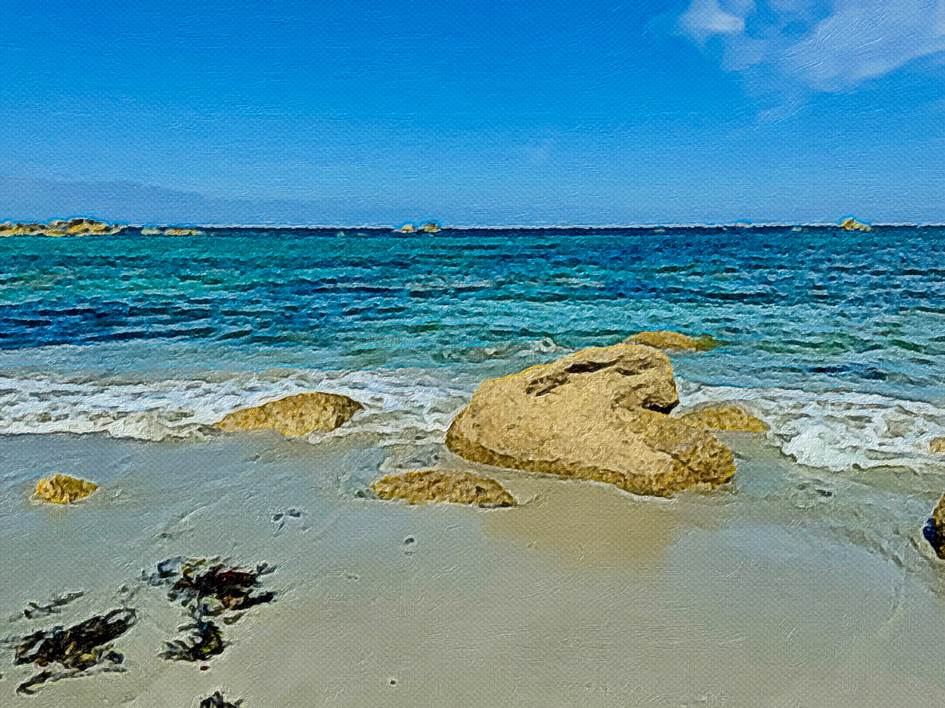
x=673 y=341
x=63 y=489
x=937 y=445
x=425 y=486
x=724 y=416
x=597 y=414
x=294 y=415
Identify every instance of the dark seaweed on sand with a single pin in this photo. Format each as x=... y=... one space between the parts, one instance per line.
x=218 y=700
x=76 y=649
x=53 y=607
x=207 y=589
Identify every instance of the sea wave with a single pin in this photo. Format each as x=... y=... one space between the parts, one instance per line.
x=402 y=405
x=838 y=430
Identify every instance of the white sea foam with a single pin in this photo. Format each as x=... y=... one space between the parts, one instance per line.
x=838 y=430
x=400 y=405
x=833 y=430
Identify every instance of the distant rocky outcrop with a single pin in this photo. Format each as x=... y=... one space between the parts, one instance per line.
x=598 y=414
x=430 y=227
x=937 y=445
x=60 y=227
x=406 y=229
x=851 y=224
x=63 y=489
x=425 y=486
x=673 y=341
x=726 y=417
x=170 y=231
x=294 y=415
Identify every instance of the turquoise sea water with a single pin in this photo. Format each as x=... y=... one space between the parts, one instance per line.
x=837 y=339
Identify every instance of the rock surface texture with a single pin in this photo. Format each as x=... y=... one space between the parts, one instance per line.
x=294 y=415
x=598 y=414
x=425 y=486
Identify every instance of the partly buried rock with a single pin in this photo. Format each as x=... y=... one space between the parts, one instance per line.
x=442 y=486
x=77 y=649
x=937 y=445
x=63 y=489
x=294 y=415
x=934 y=530
x=673 y=341
x=597 y=414
x=727 y=417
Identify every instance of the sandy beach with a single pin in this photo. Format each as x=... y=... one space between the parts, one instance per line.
x=791 y=588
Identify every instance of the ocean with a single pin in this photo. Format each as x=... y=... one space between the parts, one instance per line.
x=805 y=581
x=836 y=339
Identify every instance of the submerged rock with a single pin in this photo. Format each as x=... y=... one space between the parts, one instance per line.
x=442 y=486
x=77 y=649
x=851 y=224
x=937 y=445
x=63 y=489
x=724 y=416
x=597 y=414
x=673 y=341
x=294 y=415
x=934 y=530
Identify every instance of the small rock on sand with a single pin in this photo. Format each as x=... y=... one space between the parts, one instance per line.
x=294 y=415
x=63 y=489
x=726 y=417
x=425 y=486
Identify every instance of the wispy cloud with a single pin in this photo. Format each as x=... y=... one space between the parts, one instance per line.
x=819 y=45
x=705 y=18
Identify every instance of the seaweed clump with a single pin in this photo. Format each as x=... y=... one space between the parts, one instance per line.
x=218 y=700
x=76 y=649
x=208 y=589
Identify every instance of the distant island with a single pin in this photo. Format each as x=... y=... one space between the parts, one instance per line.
x=84 y=226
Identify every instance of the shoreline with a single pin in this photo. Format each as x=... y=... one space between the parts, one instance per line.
x=613 y=594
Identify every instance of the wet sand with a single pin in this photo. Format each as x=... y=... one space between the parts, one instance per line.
x=793 y=587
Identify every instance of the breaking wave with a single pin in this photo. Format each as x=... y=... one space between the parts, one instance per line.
x=838 y=430
x=833 y=430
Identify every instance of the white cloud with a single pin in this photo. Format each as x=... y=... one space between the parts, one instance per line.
x=706 y=17
x=822 y=46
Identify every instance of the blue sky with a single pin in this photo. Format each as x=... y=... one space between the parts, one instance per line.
x=473 y=113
